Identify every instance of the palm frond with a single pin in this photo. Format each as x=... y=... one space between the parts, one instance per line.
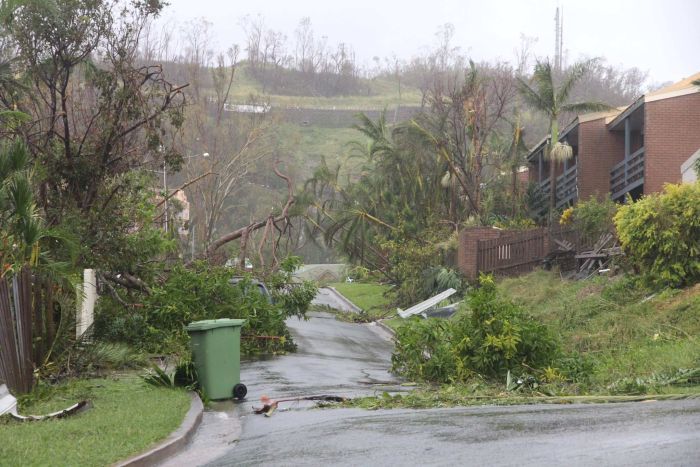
x=574 y=75
x=532 y=98
x=561 y=152
x=585 y=107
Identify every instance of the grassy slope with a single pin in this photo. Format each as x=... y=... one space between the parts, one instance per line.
x=627 y=331
x=382 y=92
x=624 y=331
x=309 y=144
x=127 y=417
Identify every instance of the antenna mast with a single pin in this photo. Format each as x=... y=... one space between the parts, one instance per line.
x=558 y=37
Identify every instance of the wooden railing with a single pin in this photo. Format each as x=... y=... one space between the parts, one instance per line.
x=628 y=174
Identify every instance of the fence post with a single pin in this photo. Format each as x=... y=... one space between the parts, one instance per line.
x=87 y=296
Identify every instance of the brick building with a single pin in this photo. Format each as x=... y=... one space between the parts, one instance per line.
x=631 y=150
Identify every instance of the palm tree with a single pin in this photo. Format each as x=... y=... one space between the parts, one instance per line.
x=551 y=100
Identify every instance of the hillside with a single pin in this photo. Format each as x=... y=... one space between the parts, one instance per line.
x=375 y=93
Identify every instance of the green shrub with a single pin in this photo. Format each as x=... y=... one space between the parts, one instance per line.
x=660 y=233
x=592 y=217
x=494 y=337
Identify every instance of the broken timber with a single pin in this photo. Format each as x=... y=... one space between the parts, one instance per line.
x=599 y=257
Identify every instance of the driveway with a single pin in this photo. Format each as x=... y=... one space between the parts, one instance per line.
x=350 y=359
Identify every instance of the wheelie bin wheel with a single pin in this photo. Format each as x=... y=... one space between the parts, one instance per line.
x=239 y=391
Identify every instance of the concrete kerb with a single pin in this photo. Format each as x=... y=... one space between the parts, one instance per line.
x=342 y=298
x=386 y=328
x=174 y=443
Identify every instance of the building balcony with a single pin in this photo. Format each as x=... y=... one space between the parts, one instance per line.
x=627 y=175
x=567 y=187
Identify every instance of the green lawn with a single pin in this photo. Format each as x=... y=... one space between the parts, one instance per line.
x=368 y=296
x=127 y=416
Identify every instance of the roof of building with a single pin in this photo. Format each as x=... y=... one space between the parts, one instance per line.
x=680 y=88
x=613 y=117
x=684 y=84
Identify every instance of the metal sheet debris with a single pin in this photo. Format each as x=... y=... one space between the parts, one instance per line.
x=7 y=402
x=427 y=304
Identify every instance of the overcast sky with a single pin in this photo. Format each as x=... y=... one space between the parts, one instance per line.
x=661 y=37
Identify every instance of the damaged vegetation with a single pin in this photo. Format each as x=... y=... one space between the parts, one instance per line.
x=543 y=339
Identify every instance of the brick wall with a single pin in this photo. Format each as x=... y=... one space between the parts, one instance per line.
x=466 y=250
x=672 y=135
x=598 y=151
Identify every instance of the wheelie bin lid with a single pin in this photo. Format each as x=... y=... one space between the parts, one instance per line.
x=214 y=323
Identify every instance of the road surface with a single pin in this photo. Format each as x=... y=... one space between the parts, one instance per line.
x=349 y=359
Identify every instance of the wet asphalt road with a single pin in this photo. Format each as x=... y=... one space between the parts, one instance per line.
x=332 y=357
x=345 y=359
x=328 y=296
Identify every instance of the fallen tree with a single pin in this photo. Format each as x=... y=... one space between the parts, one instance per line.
x=280 y=223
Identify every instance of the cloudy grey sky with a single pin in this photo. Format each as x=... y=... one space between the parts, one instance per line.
x=661 y=37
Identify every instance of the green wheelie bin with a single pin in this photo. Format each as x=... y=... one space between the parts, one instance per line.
x=216 y=351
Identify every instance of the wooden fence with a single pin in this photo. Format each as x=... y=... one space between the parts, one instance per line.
x=517 y=252
x=512 y=253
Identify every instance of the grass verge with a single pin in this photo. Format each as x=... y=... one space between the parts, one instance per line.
x=368 y=296
x=127 y=416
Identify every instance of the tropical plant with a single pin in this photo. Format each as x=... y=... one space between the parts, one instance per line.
x=30 y=278
x=550 y=99
x=494 y=336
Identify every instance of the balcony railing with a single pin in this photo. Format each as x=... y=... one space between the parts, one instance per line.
x=566 y=186
x=567 y=189
x=627 y=175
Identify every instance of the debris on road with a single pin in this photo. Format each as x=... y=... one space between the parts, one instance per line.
x=270 y=405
